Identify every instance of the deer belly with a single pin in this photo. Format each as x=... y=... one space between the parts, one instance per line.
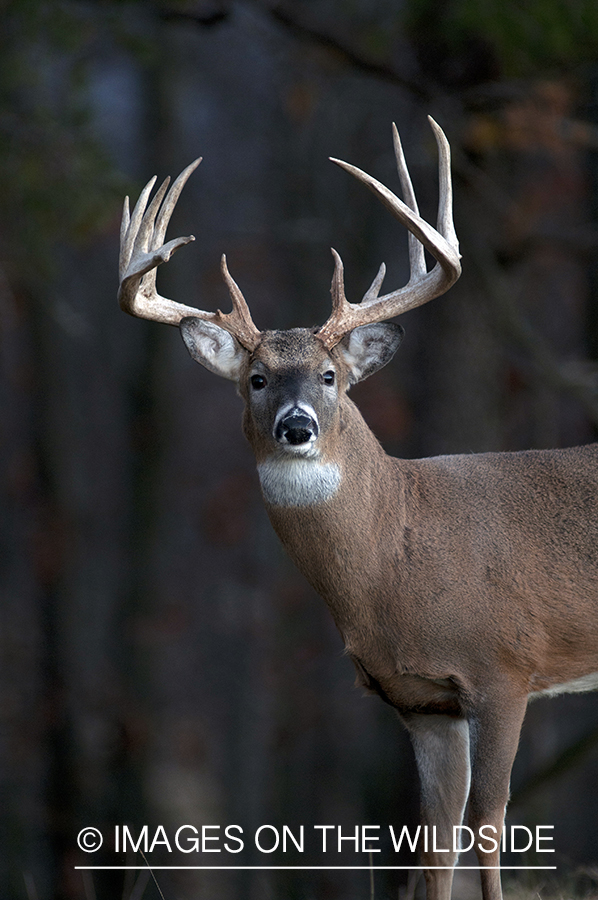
x=298 y=482
x=575 y=686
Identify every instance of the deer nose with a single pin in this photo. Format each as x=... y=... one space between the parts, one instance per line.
x=296 y=427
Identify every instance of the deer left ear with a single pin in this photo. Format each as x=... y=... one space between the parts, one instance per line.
x=369 y=347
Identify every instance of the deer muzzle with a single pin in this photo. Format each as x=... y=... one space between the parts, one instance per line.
x=296 y=427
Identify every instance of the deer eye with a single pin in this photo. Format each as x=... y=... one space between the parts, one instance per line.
x=258 y=382
x=328 y=377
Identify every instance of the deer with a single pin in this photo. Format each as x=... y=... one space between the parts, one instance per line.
x=463 y=585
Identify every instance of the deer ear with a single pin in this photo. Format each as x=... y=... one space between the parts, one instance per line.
x=213 y=347
x=369 y=347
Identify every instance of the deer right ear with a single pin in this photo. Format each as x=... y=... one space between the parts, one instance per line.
x=213 y=347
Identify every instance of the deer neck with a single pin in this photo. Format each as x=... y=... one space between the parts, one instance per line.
x=290 y=483
x=330 y=517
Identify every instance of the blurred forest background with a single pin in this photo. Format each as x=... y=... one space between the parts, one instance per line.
x=161 y=661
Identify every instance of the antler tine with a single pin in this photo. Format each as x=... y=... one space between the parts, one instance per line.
x=238 y=321
x=374 y=289
x=442 y=244
x=130 y=226
x=445 y=223
x=154 y=233
x=417 y=259
x=337 y=288
x=171 y=201
x=142 y=251
x=146 y=230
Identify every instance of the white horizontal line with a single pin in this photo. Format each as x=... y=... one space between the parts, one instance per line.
x=301 y=868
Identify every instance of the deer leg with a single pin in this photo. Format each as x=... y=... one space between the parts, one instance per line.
x=441 y=745
x=494 y=736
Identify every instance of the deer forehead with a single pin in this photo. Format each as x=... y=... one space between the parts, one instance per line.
x=288 y=352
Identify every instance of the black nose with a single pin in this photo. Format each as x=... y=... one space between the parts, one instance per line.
x=296 y=428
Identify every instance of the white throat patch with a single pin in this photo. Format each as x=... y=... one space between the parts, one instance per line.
x=298 y=482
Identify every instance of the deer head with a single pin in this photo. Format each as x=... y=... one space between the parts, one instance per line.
x=293 y=382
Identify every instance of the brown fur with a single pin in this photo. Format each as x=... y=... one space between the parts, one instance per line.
x=460 y=584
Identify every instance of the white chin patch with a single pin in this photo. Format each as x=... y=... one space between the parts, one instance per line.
x=298 y=481
x=306 y=450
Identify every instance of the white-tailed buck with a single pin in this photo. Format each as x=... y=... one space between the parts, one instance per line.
x=462 y=585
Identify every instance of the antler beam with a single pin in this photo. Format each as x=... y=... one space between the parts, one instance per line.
x=441 y=242
x=142 y=250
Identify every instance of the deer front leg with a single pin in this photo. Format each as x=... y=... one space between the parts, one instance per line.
x=494 y=735
x=441 y=745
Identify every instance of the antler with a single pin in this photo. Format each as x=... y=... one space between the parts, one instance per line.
x=422 y=285
x=142 y=251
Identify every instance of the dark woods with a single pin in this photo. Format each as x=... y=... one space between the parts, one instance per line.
x=162 y=662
